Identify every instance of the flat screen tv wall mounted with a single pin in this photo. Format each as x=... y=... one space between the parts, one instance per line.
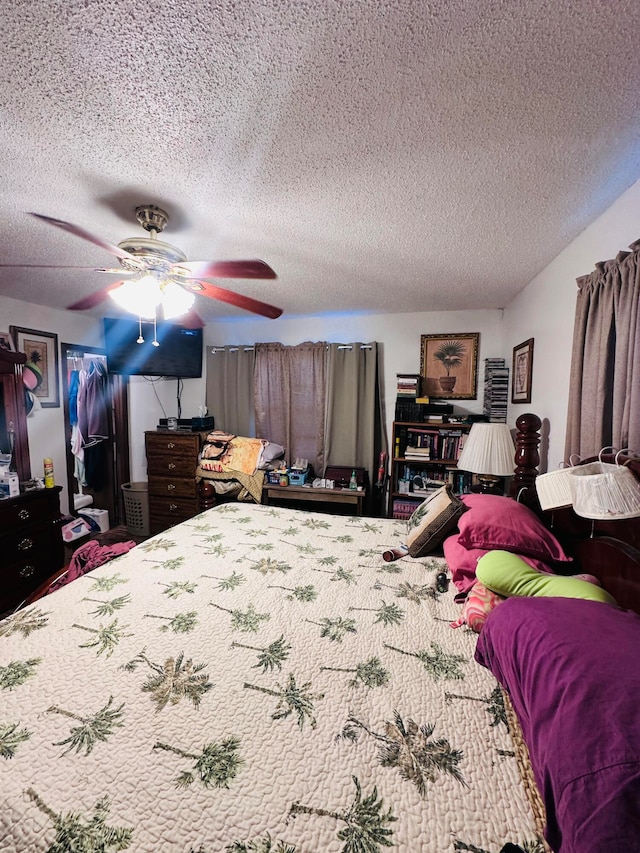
x=179 y=352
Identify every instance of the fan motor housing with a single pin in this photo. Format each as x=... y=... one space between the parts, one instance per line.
x=149 y=249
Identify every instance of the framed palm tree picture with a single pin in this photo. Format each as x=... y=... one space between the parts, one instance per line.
x=41 y=370
x=449 y=365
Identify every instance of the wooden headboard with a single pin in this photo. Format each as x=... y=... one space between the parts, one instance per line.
x=610 y=550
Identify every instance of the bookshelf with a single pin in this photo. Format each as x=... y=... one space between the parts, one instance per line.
x=424 y=459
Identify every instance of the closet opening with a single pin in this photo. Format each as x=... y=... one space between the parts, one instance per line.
x=96 y=420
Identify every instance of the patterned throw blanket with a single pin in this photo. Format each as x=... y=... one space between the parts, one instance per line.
x=255 y=679
x=226 y=453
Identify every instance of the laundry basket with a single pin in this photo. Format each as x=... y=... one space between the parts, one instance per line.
x=136 y=508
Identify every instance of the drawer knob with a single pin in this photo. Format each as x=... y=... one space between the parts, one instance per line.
x=24 y=514
x=171 y=445
x=25 y=544
x=27 y=570
x=170 y=487
x=171 y=466
x=173 y=507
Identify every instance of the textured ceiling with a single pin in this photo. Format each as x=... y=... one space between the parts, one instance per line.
x=382 y=156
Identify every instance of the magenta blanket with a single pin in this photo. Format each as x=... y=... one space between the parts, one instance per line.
x=572 y=670
x=89 y=556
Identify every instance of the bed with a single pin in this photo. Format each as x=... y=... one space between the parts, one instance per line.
x=255 y=679
x=276 y=681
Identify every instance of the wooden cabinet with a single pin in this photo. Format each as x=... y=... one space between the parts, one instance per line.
x=424 y=459
x=172 y=457
x=30 y=543
x=31 y=546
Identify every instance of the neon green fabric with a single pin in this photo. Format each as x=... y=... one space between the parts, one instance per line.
x=509 y=575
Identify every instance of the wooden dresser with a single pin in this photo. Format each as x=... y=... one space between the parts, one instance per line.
x=172 y=457
x=30 y=543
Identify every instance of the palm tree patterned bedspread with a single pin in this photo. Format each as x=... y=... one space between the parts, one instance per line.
x=255 y=679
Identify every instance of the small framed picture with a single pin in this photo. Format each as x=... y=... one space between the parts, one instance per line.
x=40 y=373
x=521 y=372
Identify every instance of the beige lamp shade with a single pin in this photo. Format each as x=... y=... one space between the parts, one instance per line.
x=605 y=492
x=489 y=449
x=555 y=488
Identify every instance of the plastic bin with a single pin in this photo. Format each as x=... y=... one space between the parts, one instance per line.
x=136 y=508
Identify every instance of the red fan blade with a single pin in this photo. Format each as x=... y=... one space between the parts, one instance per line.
x=93 y=299
x=215 y=292
x=55 y=267
x=228 y=269
x=80 y=232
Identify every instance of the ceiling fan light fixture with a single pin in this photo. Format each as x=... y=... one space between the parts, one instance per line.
x=176 y=301
x=161 y=275
x=140 y=296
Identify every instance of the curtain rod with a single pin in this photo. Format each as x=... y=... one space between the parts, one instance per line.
x=215 y=350
x=350 y=346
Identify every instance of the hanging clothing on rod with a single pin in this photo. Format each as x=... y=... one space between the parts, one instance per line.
x=93 y=411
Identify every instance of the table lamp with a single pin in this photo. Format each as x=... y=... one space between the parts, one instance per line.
x=489 y=452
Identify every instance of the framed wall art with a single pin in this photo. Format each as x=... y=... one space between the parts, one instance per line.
x=521 y=372
x=6 y=341
x=449 y=365
x=41 y=370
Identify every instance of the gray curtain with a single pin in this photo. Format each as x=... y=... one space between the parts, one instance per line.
x=604 y=391
x=354 y=431
x=230 y=388
x=290 y=384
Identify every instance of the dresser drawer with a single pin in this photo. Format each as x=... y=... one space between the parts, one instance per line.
x=19 y=544
x=173 y=444
x=165 y=512
x=22 y=576
x=171 y=466
x=17 y=514
x=173 y=487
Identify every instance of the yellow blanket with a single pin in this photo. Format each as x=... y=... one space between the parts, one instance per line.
x=227 y=453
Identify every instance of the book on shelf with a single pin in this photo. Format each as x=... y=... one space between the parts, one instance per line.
x=404 y=508
x=408 y=385
x=409 y=410
x=496 y=390
x=440 y=443
x=460 y=481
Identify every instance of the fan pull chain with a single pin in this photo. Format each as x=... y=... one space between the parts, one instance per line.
x=155 y=334
x=140 y=338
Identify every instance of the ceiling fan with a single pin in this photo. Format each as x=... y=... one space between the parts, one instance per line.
x=158 y=276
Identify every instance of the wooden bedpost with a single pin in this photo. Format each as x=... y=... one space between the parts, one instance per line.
x=526 y=458
x=206 y=495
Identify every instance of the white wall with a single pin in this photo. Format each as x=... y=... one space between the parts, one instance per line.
x=152 y=399
x=545 y=311
x=46 y=426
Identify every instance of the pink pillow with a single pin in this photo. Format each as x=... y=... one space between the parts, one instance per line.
x=497 y=523
x=462 y=562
